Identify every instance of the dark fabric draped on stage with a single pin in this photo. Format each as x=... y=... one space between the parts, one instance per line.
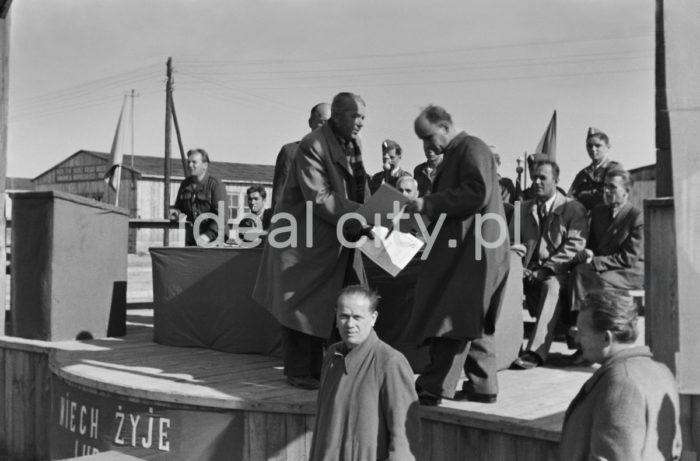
x=202 y=299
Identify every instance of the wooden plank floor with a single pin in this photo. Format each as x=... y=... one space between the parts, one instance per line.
x=530 y=403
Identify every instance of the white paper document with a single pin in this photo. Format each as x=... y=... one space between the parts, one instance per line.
x=391 y=253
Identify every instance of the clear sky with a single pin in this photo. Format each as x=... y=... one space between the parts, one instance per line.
x=248 y=71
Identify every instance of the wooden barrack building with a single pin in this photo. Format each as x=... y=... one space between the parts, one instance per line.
x=141 y=190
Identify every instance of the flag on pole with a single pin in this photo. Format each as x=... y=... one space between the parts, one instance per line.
x=113 y=174
x=548 y=143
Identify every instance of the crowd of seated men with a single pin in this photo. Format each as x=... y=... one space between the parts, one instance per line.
x=587 y=240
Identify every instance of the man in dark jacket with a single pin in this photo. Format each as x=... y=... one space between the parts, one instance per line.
x=200 y=193
x=460 y=287
x=391 y=171
x=614 y=254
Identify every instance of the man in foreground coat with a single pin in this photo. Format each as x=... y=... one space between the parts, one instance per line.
x=304 y=265
x=629 y=409
x=367 y=407
x=460 y=287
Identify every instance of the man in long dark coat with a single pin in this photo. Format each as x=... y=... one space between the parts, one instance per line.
x=302 y=270
x=460 y=287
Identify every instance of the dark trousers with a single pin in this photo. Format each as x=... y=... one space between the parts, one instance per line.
x=302 y=354
x=448 y=357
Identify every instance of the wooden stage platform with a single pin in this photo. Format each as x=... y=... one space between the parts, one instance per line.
x=256 y=415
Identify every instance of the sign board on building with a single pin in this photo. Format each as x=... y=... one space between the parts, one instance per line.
x=80 y=173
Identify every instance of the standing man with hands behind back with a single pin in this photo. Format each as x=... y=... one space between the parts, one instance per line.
x=459 y=328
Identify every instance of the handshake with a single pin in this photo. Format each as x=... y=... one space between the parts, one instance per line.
x=353 y=230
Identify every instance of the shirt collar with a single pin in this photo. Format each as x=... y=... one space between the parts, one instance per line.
x=549 y=203
x=352 y=358
x=603 y=164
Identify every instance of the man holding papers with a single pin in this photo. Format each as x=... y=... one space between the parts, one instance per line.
x=460 y=287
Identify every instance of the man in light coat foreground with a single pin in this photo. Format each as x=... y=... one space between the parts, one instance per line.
x=629 y=409
x=367 y=407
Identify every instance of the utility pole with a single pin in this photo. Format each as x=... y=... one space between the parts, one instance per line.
x=179 y=138
x=133 y=95
x=168 y=126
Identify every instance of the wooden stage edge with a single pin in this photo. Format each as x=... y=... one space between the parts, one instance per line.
x=523 y=425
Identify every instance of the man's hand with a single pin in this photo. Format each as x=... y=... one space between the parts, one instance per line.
x=174 y=215
x=584 y=256
x=414 y=206
x=537 y=275
x=353 y=231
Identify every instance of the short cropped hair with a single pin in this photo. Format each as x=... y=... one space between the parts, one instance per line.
x=342 y=101
x=359 y=290
x=551 y=163
x=205 y=156
x=614 y=311
x=390 y=144
x=627 y=181
x=256 y=188
x=436 y=114
x=405 y=178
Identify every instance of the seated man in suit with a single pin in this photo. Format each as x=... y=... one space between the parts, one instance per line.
x=553 y=229
x=614 y=254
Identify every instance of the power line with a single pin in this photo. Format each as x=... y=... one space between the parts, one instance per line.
x=415 y=69
x=431 y=52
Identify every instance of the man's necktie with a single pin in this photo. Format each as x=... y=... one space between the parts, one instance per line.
x=542 y=214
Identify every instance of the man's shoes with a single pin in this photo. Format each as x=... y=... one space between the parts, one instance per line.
x=427 y=399
x=527 y=361
x=304 y=382
x=471 y=396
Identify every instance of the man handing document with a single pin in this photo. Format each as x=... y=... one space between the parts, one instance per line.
x=460 y=287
